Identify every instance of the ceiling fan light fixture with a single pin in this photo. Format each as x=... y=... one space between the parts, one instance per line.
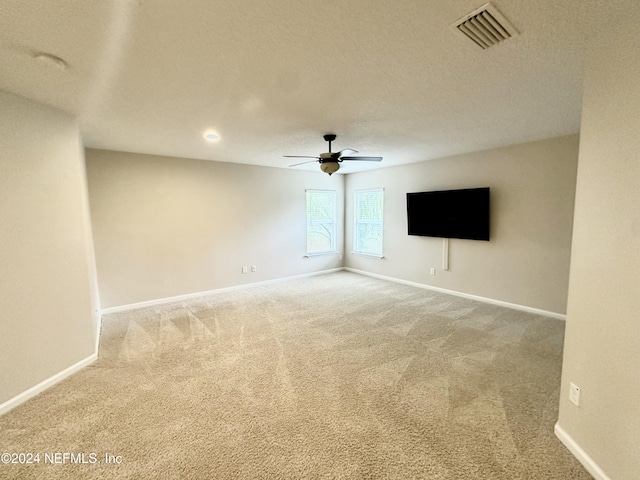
x=329 y=167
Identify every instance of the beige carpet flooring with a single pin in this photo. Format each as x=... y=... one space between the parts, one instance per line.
x=335 y=376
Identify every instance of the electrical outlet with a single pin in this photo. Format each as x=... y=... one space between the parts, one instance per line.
x=244 y=269
x=574 y=394
x=253 y=268
x=432 y=271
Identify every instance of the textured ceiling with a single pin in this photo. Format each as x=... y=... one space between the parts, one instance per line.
x=387 y=76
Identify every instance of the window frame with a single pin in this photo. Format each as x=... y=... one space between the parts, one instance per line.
x=357 y=222
x=333 y=248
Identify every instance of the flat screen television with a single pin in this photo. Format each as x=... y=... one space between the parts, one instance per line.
x=462 y=213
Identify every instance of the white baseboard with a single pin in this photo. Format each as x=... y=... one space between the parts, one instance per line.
x=189 y=296
x=586 y=461
x=58 y=377
x=515 y=306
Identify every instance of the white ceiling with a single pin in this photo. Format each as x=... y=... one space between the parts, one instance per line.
x=387 y=76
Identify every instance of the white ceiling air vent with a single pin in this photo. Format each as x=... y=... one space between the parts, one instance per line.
x=485 y=27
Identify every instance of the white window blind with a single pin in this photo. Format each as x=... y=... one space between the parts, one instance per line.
x=368 y=231
x=321 y=221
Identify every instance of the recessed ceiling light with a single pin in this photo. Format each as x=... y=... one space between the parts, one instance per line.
x=51 y=60
x=211 y=136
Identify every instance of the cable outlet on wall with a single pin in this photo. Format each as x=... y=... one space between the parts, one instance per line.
x=245 y=269
x=432 y=271
x=253 y=268
x=574 y=394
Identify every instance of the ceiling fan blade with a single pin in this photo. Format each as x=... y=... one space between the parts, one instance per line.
x=303 y=163
x=363 y=159
x=345 y=151
x=300 y=156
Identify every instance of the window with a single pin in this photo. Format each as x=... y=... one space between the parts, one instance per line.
x=367 y=236
x=321 y=221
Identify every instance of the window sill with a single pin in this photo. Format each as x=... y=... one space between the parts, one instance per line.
x=320 y=254
x=381 y=257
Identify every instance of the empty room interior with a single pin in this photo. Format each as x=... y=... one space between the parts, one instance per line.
x=296 y=239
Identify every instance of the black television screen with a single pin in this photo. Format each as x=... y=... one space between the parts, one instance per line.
x=449 y=213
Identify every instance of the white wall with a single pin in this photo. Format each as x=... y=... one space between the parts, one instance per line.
x=526 y=262
x=166 y=226
x=602 y=341
x=48 y=302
